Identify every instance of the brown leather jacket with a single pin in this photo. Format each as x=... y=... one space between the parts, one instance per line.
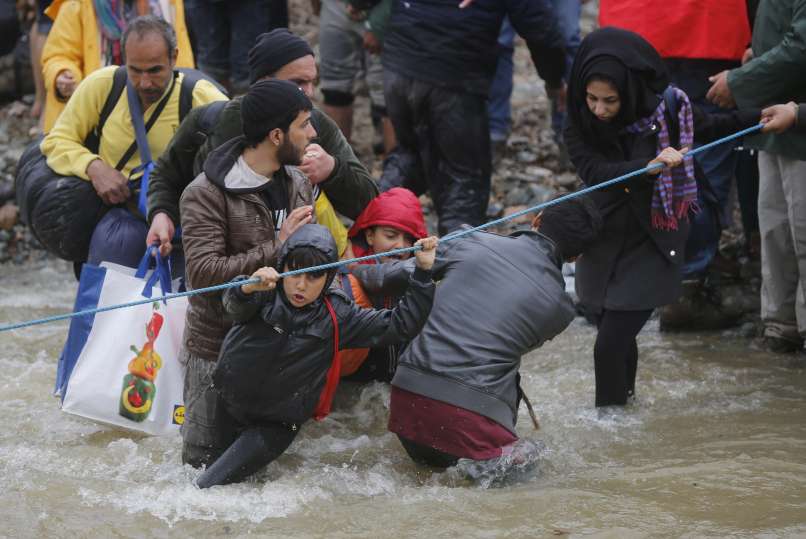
x=227 y=231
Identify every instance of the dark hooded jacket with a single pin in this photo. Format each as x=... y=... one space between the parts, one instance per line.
x=274 y=361
x=634 y=266
x=227 y=232
x=469 y=351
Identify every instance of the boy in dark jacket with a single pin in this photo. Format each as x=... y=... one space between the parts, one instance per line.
x=279 y=365
x=456 y=390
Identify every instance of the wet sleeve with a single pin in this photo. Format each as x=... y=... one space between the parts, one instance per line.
x=772 y=76
x=369 y=328
x=243 y=307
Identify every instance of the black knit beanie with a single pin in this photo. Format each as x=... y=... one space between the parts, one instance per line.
x=273 y=50
x=267 y=104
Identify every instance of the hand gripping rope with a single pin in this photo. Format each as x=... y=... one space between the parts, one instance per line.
x=449 y=237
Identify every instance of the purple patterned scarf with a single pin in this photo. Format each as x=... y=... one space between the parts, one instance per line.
x=676 y=188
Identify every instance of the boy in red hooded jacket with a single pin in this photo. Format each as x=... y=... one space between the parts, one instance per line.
x=393 y=220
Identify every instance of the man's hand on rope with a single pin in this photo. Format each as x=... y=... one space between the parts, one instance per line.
x=779 y=118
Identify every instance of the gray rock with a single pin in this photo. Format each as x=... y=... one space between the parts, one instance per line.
x=525 y=156
x=518 y=197
x=494 y=210
x=517 y=142
x=539 y=193
x=566 y=179
x=539 y=173
x=748 y=330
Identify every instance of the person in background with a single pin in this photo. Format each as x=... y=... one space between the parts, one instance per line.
x=499 y=110
x=87 y=35
x=150 y=47
x=225 y=31
x=38 y=35
x=436 y=95
x=351 y=50
x=773 y=76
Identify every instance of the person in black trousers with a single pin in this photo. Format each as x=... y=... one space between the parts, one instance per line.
x=624 y=116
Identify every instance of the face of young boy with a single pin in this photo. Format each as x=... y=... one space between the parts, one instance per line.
x=303 y=289
x=385 y=238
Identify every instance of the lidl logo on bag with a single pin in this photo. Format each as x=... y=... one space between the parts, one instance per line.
x=179 y=414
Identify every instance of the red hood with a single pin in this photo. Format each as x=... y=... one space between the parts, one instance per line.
x=397 y=208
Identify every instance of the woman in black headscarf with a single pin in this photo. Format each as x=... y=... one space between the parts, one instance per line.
x=624 y=116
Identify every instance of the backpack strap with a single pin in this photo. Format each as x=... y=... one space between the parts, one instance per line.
x=333 y=373
x=93 y=140
x=210 y=115
x=151 y=121
x=189 y=79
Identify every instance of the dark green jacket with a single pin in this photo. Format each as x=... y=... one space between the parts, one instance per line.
x=776 y=74
x=350 y=187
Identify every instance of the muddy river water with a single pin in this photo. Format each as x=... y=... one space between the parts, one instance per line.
x=714 y=447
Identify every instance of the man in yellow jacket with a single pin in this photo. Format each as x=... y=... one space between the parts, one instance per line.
x=75 y=46
x=150 y=47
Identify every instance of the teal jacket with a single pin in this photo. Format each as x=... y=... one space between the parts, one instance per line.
x=775 y=75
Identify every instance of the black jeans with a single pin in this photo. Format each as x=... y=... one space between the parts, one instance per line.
x=615 y=355
x=443 y=146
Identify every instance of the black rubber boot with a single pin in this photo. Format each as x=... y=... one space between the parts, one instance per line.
x=254 y=449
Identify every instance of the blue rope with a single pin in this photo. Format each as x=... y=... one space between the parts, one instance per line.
x=449 y=237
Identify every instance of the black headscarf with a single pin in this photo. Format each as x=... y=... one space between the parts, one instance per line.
x=632 y=64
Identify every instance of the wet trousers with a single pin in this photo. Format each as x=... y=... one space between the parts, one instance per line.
x=443 y=146
x=231 y=445
x=254 y=449
x=782 y=221
x=427 y=456
x=615 y=355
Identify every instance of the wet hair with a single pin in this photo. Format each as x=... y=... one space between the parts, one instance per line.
x=573 y=225
x=306 y=257
x=146 y=24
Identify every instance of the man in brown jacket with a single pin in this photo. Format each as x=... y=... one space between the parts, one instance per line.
x=236 y=214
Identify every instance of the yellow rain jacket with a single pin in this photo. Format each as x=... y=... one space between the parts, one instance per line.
x=74 y=43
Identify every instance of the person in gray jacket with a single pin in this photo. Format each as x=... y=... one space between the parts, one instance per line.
x=456 y=390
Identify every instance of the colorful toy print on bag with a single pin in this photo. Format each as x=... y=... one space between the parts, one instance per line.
x=139 y=387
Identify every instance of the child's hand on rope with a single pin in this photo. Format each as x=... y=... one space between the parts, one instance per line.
x=425 y=257
x=268 y=281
